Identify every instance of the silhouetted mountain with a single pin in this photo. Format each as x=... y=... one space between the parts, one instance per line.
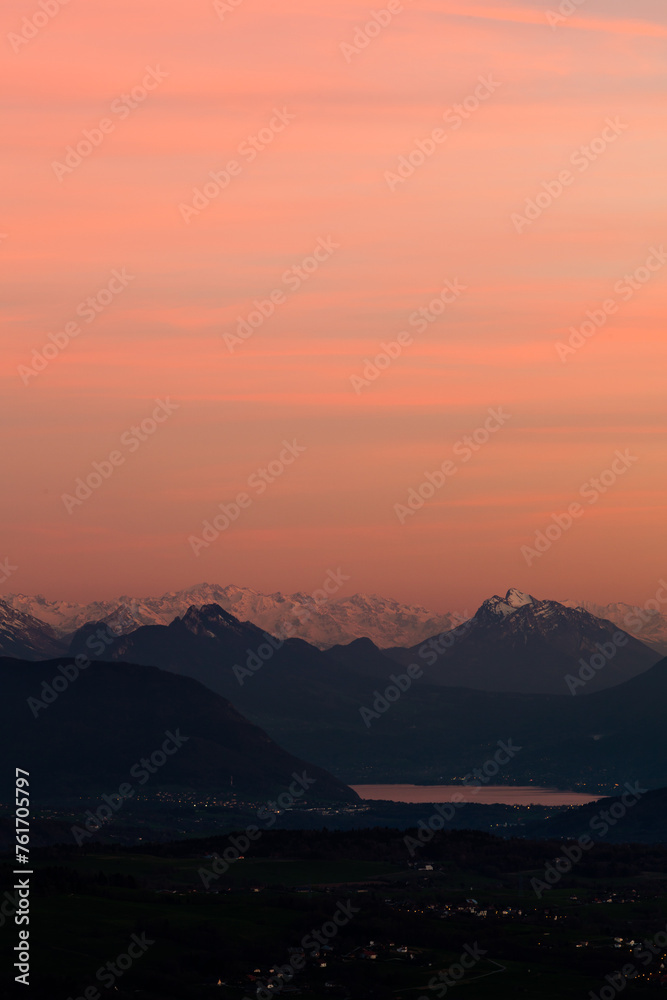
x=311 y=702
x=364 y=658
x=113 y=714
x=241 y=662
x=321 y=618
x=518 y=643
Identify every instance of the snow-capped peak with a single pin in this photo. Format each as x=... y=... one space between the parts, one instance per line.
x=517 y=599
x=324 y=623
x=501 y=607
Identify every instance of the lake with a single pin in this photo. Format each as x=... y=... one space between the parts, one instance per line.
x=511 y=795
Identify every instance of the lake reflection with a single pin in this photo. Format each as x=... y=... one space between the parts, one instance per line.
x=511 y=795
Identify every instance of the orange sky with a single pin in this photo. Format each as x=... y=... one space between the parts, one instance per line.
x=336 y=122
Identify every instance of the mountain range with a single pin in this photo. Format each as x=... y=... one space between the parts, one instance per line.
x=320 y=621
x=582 y=694
x=512 y=643
x=310 y=701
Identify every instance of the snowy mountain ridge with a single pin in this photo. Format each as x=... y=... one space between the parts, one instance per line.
x=645 y=623
x=25 y=636
x=324 y=623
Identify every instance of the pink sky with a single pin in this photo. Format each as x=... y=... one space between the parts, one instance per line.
x=324 y=177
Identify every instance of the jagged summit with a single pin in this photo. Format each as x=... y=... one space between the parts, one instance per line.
x=516 y=598
x=520 y=643
x=209 y=620
x=500 y=607
x=521 y=612
x=321 y=620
